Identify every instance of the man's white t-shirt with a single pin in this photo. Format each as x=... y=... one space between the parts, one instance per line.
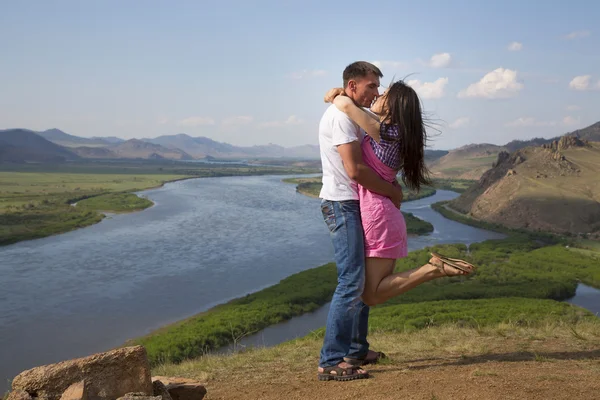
x=337 y=128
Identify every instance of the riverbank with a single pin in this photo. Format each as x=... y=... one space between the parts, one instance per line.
x=36 y=200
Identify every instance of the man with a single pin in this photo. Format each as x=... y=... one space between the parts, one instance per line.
x=345 y=345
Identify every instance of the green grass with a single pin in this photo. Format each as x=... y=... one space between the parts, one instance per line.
x=416 y=226
x=115 y=202
x=474 y=314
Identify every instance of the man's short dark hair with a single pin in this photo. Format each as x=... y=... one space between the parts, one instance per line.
x=360 y=69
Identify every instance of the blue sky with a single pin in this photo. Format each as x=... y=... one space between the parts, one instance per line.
x=255 y=72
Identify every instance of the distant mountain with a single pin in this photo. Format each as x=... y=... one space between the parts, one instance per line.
x=21 y=145
x=521 y=144
x=198 y=147
x=591 y=133
x=94 y=152
x=432 y=155
x=109 y=139
x=201 y=147
x=135 y=148
x=64 y=139
x=467 y=162
x=553 y=187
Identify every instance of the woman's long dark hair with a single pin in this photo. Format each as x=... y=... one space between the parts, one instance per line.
x=404 y=111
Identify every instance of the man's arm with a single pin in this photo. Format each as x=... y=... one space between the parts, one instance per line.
x=358 y=171
x=368 y=122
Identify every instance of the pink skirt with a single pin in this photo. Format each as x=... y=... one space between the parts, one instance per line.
x=383 y=224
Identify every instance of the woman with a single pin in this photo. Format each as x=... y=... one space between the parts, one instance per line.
x=394 y=143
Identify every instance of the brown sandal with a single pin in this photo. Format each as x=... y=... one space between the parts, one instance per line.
x=454 y=263
x=341 y=374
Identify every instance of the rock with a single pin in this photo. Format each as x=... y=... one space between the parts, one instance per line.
x=511 y=172
x=182 y=388
x=19 y=395
x=139 y=396
x=108 y=375
x=76 y=391
x=159 y=389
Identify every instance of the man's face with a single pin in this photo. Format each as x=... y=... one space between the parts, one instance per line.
x=364 y=90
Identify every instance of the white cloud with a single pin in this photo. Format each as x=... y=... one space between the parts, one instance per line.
x=291 y=120
x=568 y=120
x=440 y=60
x=305 y=73
x=529 y=122
x=573 y=108
x=581 y=82
x=163 y=120
x=515 y=46
x=460 y=122
x=429 y=90
x=500 y=83
x=577 y=34
x=195 y=121
x=237 y=120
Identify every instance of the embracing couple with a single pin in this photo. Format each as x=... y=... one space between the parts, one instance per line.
x=362 y=152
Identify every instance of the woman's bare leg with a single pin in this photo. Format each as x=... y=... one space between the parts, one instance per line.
x=381 y=284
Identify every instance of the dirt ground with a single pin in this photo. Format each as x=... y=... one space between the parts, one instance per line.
x=550 y=369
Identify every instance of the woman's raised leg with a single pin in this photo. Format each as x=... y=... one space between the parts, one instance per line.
x=381 y=284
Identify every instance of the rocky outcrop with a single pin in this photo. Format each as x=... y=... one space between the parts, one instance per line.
x=122 y=374
x=181 y=388
x=566 y=142
x=103 y=376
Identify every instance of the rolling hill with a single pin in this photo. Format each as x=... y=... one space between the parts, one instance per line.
x=135 y=148
x=201 y=147
x=21 y=145
x=64 y=139
x=554 y=187
x=467 y=162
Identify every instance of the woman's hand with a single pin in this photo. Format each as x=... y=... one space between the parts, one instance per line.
x=332 y=94
x=343 y=103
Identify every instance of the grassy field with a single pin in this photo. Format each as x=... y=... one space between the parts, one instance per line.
x=519 y=280
x=37 y=200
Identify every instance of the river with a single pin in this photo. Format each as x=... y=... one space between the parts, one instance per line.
x=205 y=241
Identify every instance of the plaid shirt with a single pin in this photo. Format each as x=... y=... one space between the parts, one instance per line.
x=388 y=148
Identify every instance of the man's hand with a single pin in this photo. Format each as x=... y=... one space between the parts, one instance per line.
x=332 y=94
x=359 y=172
x=398 y=195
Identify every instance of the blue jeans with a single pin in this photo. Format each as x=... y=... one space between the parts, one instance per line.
x=348 y=318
